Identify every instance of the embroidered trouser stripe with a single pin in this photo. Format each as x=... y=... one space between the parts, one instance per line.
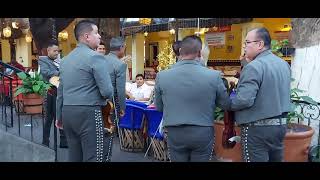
x=244 y=143
x=99 y=133
x=213 y=145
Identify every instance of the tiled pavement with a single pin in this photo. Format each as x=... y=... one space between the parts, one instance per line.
x=36 y=137
x=37 y=124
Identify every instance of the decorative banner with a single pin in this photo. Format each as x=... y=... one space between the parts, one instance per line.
x=224 y=28
x=219 y=29
x=215 y=39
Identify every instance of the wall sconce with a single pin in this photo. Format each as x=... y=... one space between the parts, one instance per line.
x=145 y=34
x=28 y=38
x=286 y=28
x=172 y=31
x=15 y=25
x=7 y=32
x=145 y=21
x=63 y=35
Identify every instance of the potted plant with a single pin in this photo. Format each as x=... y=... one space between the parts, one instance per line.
x=281 y=48
x=298 y=137
x=296 y=142
x=33 y=89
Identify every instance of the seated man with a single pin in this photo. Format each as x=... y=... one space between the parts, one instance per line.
x=139 y=91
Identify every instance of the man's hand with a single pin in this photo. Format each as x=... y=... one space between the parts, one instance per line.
x=122 y=113
x=59 y=124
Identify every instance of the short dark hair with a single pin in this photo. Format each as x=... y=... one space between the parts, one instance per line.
x=82 y=27
x=140 y=75
x=264 y=35
x=52 y=43
x=176 y=46
x=102 y=43
x=191 y=45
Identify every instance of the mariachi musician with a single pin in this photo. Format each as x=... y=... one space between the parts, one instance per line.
x=49 y=69
x=117 y=71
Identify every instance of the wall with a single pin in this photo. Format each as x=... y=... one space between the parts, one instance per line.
x=222 y=53
x=137 y=55
x=128 y=41
x=273 y=24
x=5 y=50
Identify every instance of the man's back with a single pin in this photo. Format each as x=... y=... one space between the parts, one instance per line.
x=117 y=70
x=271 y=75
x=83 y=78
x=189 y=93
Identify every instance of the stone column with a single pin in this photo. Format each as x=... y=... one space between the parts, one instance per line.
x=6 y=51
x=137 y=55
x=23 y=50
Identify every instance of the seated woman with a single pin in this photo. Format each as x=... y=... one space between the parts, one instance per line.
x=139 y=91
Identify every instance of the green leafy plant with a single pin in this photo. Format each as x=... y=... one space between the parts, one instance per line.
x=218 y=114
x=33 y=83
x=295 y=98
x=277 y=45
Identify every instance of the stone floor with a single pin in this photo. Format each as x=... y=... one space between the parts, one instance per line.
x=34 y=133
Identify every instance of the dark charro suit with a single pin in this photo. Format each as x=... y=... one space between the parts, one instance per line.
x=48 y=69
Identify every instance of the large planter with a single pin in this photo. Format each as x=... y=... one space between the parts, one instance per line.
x=32 y=104
x=296 y=144
x=230 y=155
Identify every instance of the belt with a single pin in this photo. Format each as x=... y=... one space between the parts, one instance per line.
x=269 y=122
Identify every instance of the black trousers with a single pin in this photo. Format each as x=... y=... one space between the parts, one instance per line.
x=83 y=126
x=262 y=143
x=50 y=117
x=187 y=143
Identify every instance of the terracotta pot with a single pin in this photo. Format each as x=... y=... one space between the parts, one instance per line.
x=32 y=104
x=19 y=97
x=296 y=144
x=232 y=155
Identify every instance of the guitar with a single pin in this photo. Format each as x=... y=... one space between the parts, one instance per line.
x=54 y=80
x=107 y=111
x=229 y=130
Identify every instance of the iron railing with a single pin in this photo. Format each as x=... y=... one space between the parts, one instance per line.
x=8 y=84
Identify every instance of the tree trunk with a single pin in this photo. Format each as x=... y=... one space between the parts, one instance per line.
x=305 y=66
x=109 y=28
x=45 y=30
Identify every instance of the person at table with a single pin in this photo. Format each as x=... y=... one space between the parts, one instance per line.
x=139 y=90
